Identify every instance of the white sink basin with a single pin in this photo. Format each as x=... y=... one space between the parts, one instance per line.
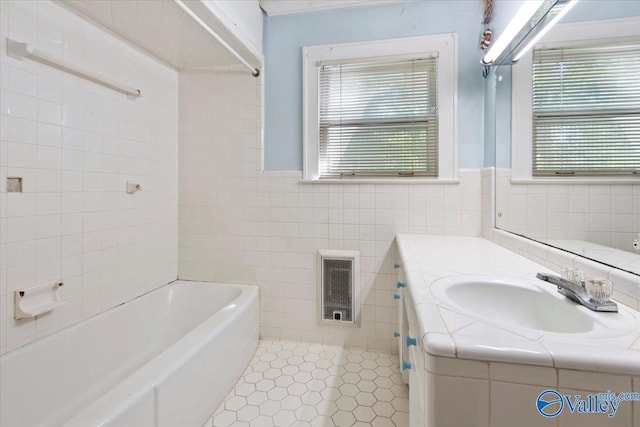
x=526 y=303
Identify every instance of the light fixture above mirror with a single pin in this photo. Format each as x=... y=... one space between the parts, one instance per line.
x=530 y=23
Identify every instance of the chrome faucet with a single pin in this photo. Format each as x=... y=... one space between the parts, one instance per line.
x=575 y=290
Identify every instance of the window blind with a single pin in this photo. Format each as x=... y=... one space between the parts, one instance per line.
x=378 y=118
x=586 y=110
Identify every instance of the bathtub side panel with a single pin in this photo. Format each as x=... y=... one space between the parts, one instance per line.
x=143 y=413
x=192 y=393
x=70 y=369
x=189 y=379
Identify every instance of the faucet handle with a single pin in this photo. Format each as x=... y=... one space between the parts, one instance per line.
x=574 y=275
x=578 y=276
x=599 y=290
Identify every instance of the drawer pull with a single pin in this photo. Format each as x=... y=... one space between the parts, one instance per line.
x=396 y=335
x=405 y=365
x=396 y=296
x=396 y=266
x=410 y=341
x=400 y=285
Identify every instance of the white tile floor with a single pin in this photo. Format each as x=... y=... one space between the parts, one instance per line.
x=300 y=384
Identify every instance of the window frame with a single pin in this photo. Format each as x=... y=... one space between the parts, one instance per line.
x=446 y=47
x=569 y=34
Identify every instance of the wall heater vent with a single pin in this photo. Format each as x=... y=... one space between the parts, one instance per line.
x=339 y=286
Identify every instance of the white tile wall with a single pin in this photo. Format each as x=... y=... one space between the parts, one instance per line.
x=497 y=394
x=238 y=224
x=605 y=214
x=512 y=401
x=76 y=144
x=441 y=392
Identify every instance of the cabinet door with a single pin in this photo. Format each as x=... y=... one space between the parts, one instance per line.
x=402 y=331
x=416 y=388
x=412 y=343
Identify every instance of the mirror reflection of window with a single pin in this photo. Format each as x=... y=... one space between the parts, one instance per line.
x=586 y=110
x=567 y=151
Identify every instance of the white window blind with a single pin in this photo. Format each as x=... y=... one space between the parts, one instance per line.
x=586 y=110
x=378 y=118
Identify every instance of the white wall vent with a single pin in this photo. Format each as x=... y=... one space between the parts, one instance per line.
x=339 y=286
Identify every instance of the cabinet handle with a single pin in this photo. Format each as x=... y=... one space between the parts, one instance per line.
x=405 y=365
x=400 y=285
x=396 y=335
x=410 y=341
x=396 y=265
x=396 y=296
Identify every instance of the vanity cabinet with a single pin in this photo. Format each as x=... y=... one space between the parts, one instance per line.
x=472 y=370
x=416 y=370
x=411 y=359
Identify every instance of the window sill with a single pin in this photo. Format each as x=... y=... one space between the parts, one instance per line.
x=572 y=180
x=400 y=181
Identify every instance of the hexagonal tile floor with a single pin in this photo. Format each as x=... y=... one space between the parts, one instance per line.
x=302 y=384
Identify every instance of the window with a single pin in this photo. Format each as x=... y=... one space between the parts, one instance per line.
x=576 y=104
x=586 y=110
x=379 y=118
x=381 y=109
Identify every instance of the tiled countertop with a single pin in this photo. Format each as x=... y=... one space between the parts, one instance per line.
x=445 y=332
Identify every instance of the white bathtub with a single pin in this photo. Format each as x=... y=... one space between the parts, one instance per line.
x=166 y=359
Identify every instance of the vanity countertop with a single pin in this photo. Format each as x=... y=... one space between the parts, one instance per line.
x=447 y=333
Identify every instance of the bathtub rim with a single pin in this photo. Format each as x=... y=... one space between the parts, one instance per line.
x=117 y=307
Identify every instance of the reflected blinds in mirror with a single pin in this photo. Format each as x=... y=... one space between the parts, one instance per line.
x=586 y=110
x=379 y=118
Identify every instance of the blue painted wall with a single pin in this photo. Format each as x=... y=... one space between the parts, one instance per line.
x=284 y=37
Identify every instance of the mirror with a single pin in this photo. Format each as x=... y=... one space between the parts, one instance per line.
x=595 y=218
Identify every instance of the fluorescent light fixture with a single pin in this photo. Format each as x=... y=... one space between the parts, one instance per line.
x=547 y=26
x=524 y=15
x=531 y=22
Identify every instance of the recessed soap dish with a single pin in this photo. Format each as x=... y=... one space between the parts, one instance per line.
x=36 y=300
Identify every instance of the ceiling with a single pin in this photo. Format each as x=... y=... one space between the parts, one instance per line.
x=164 y=30
x=281 y=7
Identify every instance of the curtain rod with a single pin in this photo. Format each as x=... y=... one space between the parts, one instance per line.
x=254 y=71
x=21 y=50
